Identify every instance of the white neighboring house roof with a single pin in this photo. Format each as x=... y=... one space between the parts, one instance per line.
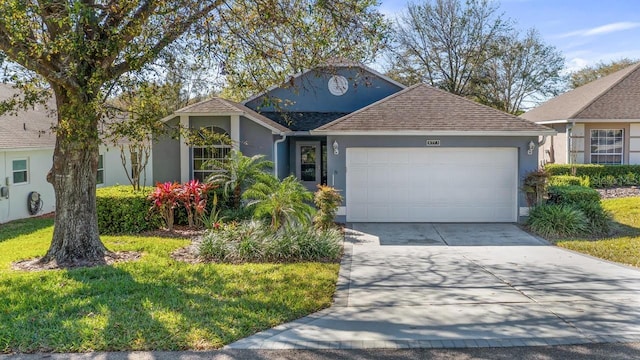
x=30 y=129
x=336 y=63
x=224 y=107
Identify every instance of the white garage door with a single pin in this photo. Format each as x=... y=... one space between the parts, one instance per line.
x=432 y=184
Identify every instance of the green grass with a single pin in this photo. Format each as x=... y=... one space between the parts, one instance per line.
x=155 y=303
x=623 y=245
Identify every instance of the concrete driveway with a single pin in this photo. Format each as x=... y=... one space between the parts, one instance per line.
x=464 y=285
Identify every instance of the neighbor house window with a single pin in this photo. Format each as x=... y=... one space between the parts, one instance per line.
x=20 y=171
x=202 y=155
x=607 y=146
x=100 y=174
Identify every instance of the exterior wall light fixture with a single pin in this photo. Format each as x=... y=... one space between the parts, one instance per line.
x=532 y=147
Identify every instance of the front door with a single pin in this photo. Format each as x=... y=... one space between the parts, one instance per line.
x=308 y=158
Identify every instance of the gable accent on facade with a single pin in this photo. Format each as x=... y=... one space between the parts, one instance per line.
x=330 y=67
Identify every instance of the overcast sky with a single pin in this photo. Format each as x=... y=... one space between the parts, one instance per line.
x=586 y=31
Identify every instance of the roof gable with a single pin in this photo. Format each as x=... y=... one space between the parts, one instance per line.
x=216 y=105
x=615 y=96
x=422 y=108
x=329 y=68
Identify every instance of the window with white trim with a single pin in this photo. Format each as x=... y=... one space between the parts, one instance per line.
x=607 y=146
x=100 y=173
x=202 y=154
x=20 y=170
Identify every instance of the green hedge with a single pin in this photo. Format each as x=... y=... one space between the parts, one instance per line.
x=121 y=210
x=600 y=176
x=592 y=169
x=572 y=194
x=566 y=180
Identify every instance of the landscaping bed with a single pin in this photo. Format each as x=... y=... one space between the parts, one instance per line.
x=153 y=303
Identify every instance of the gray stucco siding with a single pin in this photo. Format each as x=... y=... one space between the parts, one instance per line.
x=336 y=164
x=255 y=139
x=166 y=156
x=310 y=93
x=223 y=122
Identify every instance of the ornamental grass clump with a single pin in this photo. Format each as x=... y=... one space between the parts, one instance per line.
x=558 y=220
x=254 y=241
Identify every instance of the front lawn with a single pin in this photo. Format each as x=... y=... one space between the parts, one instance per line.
x=155 y=303
x=624 y=245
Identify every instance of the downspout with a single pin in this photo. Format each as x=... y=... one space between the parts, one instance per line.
x=544 y=140
x=275 y=153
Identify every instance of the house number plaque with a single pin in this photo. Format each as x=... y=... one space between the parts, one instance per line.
x=433 y=142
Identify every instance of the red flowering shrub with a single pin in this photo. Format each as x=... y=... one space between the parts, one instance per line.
x=193 y=196
x=165 y=200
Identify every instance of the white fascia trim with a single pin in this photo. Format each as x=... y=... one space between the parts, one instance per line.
x=435 y=133
x=230 y=113
x=241 y=113
x=27 y=149
x=169 y=117
x=578 y=121
x=552 y=122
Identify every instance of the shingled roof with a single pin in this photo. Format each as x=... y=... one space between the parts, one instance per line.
x=228 y=107
x=616 y=96
x=424 y=109
x=29 y=129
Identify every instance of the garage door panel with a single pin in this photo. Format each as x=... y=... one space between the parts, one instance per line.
x=437 y=185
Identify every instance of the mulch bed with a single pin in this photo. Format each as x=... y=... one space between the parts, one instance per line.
x=619 y=192
x=189 y=254
x=109 y=259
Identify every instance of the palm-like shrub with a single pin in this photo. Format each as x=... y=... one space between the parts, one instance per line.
x=285 y=202
x=237 y=173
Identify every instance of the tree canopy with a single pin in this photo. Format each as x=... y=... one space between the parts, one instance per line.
x=601 y=69
x=468 y=48
x=81 y=49
x=264 y=42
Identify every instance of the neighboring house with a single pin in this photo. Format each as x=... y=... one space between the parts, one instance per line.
x=597 y=123
x=26 y=156
x=396 y=154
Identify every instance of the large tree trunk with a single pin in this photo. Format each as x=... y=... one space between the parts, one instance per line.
x=75 y=240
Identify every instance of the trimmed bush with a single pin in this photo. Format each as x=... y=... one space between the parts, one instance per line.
x=572 y=194
x=557 y=220
x=566 y=180
x=122 y=210
x=253 y=241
